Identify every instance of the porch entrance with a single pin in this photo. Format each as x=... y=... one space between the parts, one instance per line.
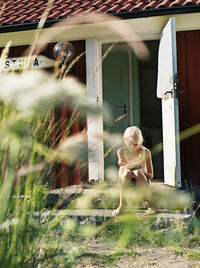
x=127 y=81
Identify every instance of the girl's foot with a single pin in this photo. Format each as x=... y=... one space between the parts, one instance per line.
x=149 y=211
x=116 y=211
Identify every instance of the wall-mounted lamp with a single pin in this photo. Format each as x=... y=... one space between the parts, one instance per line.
x=64 y=52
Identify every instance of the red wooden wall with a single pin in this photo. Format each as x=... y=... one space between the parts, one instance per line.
x=188 y=49
x=63 y=174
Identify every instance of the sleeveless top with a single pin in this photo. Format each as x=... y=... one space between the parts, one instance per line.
x=138 y=162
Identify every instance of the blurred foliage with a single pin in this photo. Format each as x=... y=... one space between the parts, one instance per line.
x=26 y=156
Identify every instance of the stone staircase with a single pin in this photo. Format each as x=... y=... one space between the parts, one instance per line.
x=70 y=202
x=162 y=220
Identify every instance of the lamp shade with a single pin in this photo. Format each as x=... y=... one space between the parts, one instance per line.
x=64 y=51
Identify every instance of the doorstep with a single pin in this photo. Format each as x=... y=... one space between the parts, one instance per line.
x=98 y=216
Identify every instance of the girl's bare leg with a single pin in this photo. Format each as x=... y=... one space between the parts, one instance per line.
x=140 y=177
x=125 y=180
x=117 y=211
x=142 y=180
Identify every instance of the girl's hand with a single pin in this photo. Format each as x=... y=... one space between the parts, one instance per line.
x=135 y=172
x=139 y=148
x=122 y=162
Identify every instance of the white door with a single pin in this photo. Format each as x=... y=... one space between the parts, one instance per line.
x=167 y=91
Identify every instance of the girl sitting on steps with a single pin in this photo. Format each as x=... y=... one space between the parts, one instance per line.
x=135 y=163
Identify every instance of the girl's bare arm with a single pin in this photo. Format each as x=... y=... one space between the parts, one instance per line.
x=149 y=165
x=121 y=157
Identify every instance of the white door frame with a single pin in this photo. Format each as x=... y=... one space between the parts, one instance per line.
x=95 y=122
x=94 y=88
x=95 y=93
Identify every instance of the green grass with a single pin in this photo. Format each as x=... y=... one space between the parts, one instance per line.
x=108 y=258
x=193 y=255
x=26 y=156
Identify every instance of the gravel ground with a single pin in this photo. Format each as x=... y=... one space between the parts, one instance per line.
x=140 y=257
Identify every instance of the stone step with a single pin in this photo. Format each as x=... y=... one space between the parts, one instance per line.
x=163 y=218
x=101 y=198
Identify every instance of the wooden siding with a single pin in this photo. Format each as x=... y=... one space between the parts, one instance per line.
x=188 y=48
x=63 y=174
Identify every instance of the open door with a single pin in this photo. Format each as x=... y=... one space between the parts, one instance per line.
x=116 y=94
x=167 y=91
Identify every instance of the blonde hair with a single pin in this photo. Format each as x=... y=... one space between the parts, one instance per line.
x=134 y=133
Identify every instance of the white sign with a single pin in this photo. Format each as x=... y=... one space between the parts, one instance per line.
x=21 y=63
